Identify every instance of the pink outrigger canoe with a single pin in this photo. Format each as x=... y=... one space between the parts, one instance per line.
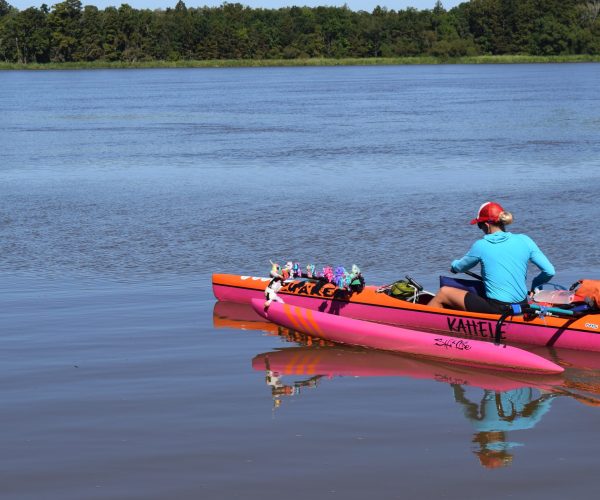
x=581 y=333
x=392 y=338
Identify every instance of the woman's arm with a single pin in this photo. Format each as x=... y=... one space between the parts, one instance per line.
x=541 y=261
x=470 y=260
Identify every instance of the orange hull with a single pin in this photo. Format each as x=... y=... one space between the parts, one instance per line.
x=582 y=333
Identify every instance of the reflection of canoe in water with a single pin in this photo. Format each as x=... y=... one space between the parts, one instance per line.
x=581 y=379
x=581 y=333
x=240 y=317
x=392 y=338
x=243 y=317
x=356 y=362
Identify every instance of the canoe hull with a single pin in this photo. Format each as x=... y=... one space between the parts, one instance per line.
x=581 y=333
x=392 y=338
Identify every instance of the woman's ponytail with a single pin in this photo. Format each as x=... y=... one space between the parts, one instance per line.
x=505 y=218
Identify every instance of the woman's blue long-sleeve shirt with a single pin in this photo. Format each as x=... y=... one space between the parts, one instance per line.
x=504 y=258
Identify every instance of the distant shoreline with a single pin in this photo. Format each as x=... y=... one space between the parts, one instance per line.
x=259 y=63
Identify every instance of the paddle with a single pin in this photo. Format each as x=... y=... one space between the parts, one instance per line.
x=473 y=275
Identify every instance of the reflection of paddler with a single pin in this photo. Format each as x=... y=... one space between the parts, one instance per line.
x=498 y=413
x=493 y=449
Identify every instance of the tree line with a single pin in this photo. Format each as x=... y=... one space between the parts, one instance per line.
x=69 y=31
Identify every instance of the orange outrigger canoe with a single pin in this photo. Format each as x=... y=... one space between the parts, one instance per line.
x=573 y=332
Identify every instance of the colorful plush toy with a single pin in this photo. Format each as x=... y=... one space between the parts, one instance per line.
x=275 y=269
x=328 y=274
x=339 y=277
x=286 y=272
x=356 y=282
x=274 y=285
x=347 y=281
x=296 y=271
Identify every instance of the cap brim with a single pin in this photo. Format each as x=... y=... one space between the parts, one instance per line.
x=474 y=221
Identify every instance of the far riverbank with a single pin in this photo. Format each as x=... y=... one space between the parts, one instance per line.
x=236 y=63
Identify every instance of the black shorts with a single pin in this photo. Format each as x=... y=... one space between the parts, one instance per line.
x=479 y=304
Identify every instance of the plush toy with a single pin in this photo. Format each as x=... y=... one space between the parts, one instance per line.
x=339 y=277
x=328 y=273
x=347 y=281
x=296 y=272
x=356 y=282
x=274 y=285
x=275 y=269
x=286 y=272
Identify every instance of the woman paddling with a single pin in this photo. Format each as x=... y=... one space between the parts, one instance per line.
x=503 y=257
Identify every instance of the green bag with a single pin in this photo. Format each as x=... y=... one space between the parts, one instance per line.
x=402 y=290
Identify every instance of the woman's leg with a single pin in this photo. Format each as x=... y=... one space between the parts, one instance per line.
x=449 y=298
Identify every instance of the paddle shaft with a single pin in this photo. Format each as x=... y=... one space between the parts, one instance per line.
x=474 y=275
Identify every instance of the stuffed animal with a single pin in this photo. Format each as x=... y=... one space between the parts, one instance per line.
x=275 y=269
x=328 y=273
x=286 y=272
x=296 y=272
x=356 y=282
x=274 y=285
x=339 y=277
x=347 y=281
x=310 y=271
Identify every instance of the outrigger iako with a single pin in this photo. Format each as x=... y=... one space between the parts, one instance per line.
x=557 y=327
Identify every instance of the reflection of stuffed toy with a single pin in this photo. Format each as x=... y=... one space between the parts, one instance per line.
x=278 y=388
x=274 y=285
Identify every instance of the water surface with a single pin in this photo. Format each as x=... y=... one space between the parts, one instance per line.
x=122 y=191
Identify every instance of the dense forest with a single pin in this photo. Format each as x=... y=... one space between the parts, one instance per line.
x=69 y=31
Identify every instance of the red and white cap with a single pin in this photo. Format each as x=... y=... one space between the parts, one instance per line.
x=488 y=212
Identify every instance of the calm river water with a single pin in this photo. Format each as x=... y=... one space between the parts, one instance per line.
x=122 y=191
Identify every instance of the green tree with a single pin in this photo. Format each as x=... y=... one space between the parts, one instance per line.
x=5 y=8
x=69 y=33
x=64 y=21
x=92 y=35
x=589 y=12
x=130 y=38
x=34 y=35
x=24 y=36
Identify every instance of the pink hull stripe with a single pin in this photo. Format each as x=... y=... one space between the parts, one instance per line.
x=392 y=338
